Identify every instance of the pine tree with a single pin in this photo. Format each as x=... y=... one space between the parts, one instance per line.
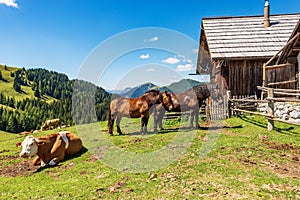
x=12 y=124
x=1 y=77
x=37 y=93
x=17 y=85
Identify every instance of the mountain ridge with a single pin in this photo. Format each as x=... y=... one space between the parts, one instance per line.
x=176 y=87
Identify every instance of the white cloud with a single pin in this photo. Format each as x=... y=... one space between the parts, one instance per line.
x=11 y=3
x=145 y=56
x=153 y=39
x=195 y=50
x=171 y=60
x=150 y=70
x=186 y=67
x=184 y=59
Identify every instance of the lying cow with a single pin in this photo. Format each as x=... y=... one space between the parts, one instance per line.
x=51 y=124
x=50 y=149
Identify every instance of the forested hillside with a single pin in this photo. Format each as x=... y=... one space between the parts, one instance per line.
x=52 y=98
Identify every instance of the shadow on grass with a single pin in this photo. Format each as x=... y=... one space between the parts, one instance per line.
x=81 y=152
x=261 y=124
x=182 y=128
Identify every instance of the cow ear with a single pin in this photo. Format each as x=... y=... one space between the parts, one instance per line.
x=18 y=144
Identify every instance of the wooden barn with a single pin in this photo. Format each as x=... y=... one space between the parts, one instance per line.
x=233 y=51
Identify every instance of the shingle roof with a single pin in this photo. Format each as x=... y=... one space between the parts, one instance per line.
x=246 y=37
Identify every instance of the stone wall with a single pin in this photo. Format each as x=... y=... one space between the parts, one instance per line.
x=284 y=111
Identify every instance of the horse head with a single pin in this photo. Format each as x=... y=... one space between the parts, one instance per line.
x=153 y=97
x=166 y=100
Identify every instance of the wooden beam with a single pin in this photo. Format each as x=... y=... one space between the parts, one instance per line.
x=278 y=90
x=282 y=83
x=296 y=49
x=278 y=66
x=249 y=100
x=283 y=100
x=251 y=112
x=289 y=42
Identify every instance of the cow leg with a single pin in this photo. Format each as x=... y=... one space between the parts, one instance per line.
x=56 y=160
x=118 y=120
x=36 y=161
x=57 y=152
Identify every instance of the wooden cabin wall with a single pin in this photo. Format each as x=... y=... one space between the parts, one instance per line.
x=244 y=76
x=283 y=74
x=219 y=79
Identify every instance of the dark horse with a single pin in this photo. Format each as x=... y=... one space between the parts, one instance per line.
x=190 y=100
x=135 y=108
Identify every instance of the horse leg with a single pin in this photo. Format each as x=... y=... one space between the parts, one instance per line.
x=192 y=114
x=144 y=124
x=111 y=125
x=118 y=120
x=155 y=119
x=160 y=119
x=197 y=119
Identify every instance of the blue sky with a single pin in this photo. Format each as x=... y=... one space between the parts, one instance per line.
x=61 y=34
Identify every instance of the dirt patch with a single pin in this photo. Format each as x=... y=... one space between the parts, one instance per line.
x=22 y=168
x=275 y=146
x=17 y=166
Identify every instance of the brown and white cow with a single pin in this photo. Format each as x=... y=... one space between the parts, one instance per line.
x=51 y=124
x=50 y=149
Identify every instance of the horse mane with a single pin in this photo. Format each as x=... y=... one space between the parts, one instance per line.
x=152 y=91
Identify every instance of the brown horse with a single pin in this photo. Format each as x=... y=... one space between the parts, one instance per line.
x=190 y=100
x=135 y=108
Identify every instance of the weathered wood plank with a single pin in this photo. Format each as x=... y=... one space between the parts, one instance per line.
x=282 y=83
x=278 y=66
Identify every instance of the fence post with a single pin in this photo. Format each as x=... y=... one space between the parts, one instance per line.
x=228 y=97
x=271 y=109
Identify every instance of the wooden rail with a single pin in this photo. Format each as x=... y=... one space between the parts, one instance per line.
x=277 y=66
x=251 y=112
x=270 y=100
x=282 y=83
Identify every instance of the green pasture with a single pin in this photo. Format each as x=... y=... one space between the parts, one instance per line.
x=244 y=161
x=8 y=90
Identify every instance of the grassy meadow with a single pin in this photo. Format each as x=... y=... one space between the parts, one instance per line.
x=246 y=162
x=7 y=86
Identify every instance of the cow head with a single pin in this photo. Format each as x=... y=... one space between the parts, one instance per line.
x=29 y=146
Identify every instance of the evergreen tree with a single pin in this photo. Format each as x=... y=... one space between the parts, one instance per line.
x=12 y=124
x=37 y=93
x=1 y=77
x=17 y=85
x=5 y=67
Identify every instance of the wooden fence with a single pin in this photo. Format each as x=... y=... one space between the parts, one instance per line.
x=217 y=110
x=236 y=106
